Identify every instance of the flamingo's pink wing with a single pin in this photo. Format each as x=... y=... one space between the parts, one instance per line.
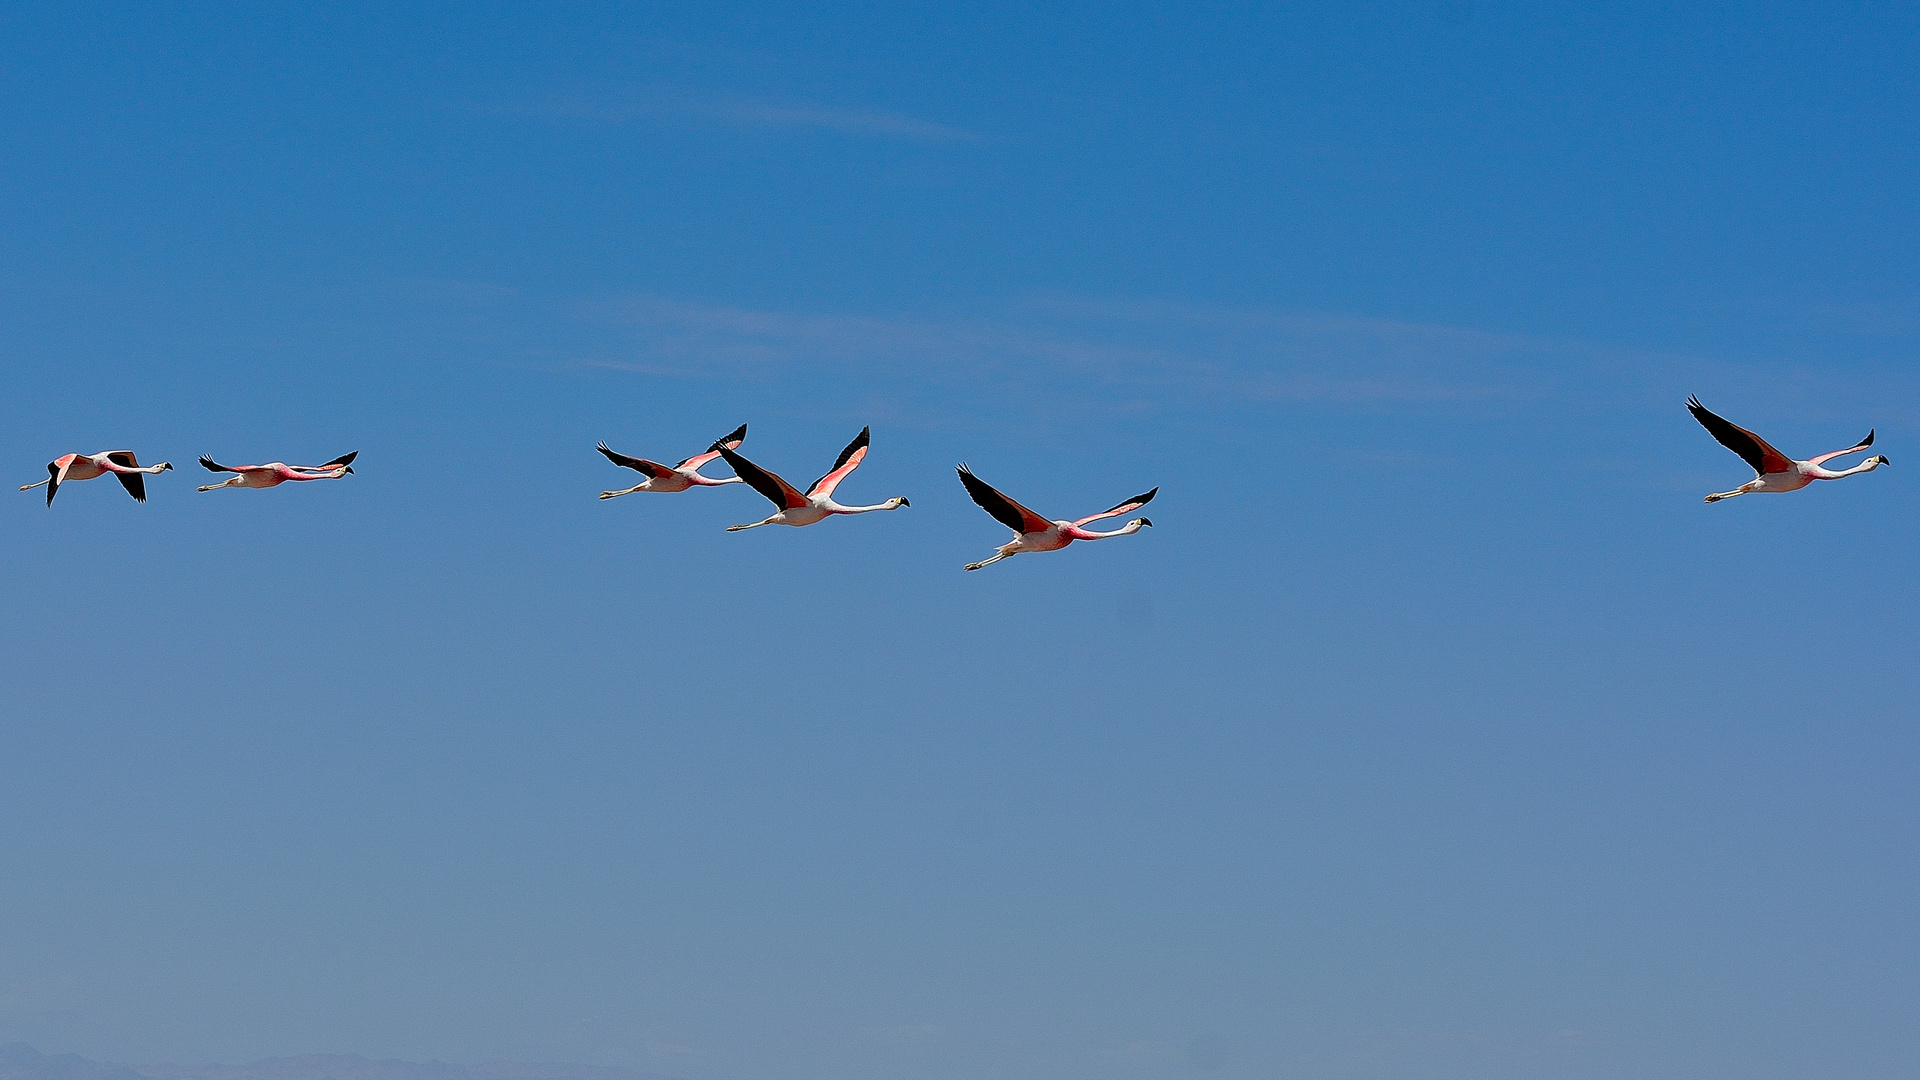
x=1854 y=449
x=849 y=460
x=1755 y=450
x=1127 y=507
x=135 y=483
x=1004 y=510
x=778 y=491
x=651 y=469
x=731 y=441
x=57 y=473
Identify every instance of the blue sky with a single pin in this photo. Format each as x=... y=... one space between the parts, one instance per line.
x=1437 y=729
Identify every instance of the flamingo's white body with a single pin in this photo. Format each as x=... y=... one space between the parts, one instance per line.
x=1775 y=471
x=816 y=503
x=121 y=463
x=1035 y=533
x=274 y=473
x=671 y=478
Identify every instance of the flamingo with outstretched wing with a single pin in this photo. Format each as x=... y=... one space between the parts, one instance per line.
x=814 y=504
x=275 y=473
x=1035 y=533
x=672 y=478
x=124 y=466
x=1773 y=470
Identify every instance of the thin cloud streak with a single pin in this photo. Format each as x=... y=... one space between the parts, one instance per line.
x=1160 y=354
x=748 y=112
x=1064 y=354
x=873 y=122
x=1134 y=356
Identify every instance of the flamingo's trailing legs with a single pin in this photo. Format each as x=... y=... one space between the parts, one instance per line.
x=679 y=477
x=1035 y=533
x=1774 y=470
x=816 y=503
x=277 y=472
x=121 y=463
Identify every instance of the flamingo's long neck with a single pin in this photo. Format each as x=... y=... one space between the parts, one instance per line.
x=291 y=473
x=1819 y=473
x=1079 y=533
x=708 y=481
x=836 y=508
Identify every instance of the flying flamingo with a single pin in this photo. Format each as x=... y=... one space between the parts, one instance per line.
x=1776 y=471
x=1035 y=533
x=816 y=504
x=121 y=463
x=274 y=473
x=669 y=478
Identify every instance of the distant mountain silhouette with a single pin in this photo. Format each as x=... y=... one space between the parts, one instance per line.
x=18 y=1061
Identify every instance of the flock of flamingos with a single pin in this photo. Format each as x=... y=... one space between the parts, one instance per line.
x=1773 y=472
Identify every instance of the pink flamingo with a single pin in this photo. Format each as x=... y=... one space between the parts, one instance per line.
x=274 y=473
x=669 y=478
x=1035 y=533
x=1775 y=470
x=816 y=504
x=121 y=463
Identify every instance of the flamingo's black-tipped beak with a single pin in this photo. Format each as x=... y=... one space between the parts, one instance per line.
x=166 y=466
x=349 y=468
x=904 y=502
x=1884 y=461
x=1145 y=523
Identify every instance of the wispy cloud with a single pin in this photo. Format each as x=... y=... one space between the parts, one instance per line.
x=857 y=121
x=870 y=122
x=1124 y=353
x=1071 y=354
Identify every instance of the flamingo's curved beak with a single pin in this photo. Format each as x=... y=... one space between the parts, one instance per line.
x=1145 y=523
x=349 y=468
x=166 y=466
x=904 y=502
